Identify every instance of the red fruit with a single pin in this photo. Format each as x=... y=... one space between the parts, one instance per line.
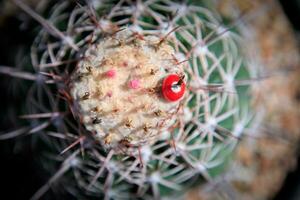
x=173 y=87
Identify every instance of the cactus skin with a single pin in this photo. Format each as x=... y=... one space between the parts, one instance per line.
x=208 y=120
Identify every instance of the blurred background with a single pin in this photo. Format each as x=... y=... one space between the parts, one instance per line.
x=291 y=186
x=19 y=175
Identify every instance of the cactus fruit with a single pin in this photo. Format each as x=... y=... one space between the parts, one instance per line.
x=108 y=61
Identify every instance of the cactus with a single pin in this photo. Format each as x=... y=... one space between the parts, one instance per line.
x=97 y=99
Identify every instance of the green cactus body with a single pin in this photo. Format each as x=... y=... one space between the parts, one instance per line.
x=133 y=143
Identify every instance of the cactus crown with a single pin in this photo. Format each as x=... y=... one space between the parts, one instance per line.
x=134 y=144
x=118 y=91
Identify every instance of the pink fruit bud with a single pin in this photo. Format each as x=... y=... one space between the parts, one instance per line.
x=110 y=73
x=134 y=84
x=109 y=93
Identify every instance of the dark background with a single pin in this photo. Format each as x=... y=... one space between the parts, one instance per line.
x=291 y=187
x=19 y=176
